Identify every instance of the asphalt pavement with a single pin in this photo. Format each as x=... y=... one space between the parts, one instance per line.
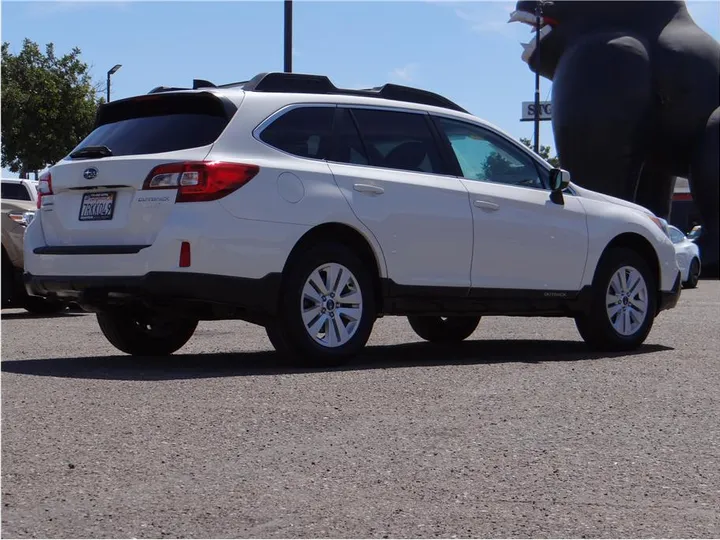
x=517 y=432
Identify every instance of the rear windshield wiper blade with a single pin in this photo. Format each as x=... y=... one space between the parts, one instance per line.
x=92 y=151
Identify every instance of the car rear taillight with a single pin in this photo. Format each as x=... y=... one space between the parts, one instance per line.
x=44 y=187
x=200 y=180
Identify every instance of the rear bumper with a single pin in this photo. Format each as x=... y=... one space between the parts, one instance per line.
x=669 y=299
x=251 y=296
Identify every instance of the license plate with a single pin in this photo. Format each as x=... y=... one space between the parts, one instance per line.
x=97 y=206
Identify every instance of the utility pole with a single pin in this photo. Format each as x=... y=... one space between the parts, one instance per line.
x=538 y=18
x=288 y=36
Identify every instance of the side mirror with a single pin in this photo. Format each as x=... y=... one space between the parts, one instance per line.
x=559 y=179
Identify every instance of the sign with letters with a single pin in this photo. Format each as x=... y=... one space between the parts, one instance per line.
x=528 y=111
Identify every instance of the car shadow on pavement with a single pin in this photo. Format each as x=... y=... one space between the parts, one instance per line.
x=199 y=366
x=27 y=315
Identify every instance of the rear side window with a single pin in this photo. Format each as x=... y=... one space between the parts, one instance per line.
x=159 y=123
x=304 y=132
x=15 y=192
x=398 y=140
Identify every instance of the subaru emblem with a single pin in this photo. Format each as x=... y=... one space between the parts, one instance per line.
x=90 y=173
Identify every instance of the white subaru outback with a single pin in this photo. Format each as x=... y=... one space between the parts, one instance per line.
x=313 y=210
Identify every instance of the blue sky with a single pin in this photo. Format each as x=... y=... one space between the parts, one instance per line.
x=464 y=50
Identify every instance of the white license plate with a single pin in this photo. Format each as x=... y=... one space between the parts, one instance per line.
x=97 y=206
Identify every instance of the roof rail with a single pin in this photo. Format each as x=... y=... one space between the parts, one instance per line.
x=197 y=84
x=302 y=83
x=320 y=84
x=202 y=83
x=165 y=89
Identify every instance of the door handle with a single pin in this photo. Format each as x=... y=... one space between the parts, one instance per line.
x=486 y=205
x=368 y=188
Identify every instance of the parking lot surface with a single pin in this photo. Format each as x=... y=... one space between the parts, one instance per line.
x=518 y=432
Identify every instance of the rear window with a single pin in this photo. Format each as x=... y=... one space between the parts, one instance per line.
x=15 y=192
x=159 y=123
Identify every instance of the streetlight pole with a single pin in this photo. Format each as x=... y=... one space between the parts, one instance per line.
x=288 y=36
x=538 y=9
x=110 y=73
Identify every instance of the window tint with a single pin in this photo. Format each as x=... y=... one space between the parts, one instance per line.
x=483 y=156
x=155 y=134
x=398 y=140
x=348 y=146
x=304 y=132
x=16 y=192
x=161 y=123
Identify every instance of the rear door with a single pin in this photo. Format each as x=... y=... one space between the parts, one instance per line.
x=389 y=168
x=97 y=196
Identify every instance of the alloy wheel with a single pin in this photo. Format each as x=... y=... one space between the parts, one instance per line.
x=331 y=305
x=627 y=300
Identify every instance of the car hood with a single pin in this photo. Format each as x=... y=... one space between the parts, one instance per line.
x=590 y=194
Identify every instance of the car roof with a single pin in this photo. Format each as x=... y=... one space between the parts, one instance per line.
x=296 y=88
x=238 y=95
x=18 y=180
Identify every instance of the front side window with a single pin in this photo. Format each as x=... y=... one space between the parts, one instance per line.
x=304 y=132
x=486 y=157
x=398 y=140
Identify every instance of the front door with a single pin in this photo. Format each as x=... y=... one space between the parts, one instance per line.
x=523 y=240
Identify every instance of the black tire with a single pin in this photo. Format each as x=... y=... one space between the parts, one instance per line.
x=693 y=275
x=596 y=327
x=150 y=335
x=41 y=306
x=443 y=329
x=288 y=333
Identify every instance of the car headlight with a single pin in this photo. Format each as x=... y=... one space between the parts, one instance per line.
x=23 y=218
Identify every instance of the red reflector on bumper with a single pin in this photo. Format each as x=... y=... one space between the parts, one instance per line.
x=184 y=254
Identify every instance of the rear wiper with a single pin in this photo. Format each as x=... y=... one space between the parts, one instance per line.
x=91 y=152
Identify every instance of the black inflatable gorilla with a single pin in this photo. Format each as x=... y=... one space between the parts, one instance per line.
x=635 y=97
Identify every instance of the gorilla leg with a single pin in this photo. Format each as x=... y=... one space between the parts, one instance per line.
x=602 y=107
x=704 y=180
x=655 y=189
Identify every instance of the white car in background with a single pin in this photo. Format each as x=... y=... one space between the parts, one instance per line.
x=687 y=254
x=19 y=203
x=19 y=189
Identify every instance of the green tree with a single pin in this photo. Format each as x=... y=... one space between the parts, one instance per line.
x=544 y=152
x=48 y=106
x=496 y=165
